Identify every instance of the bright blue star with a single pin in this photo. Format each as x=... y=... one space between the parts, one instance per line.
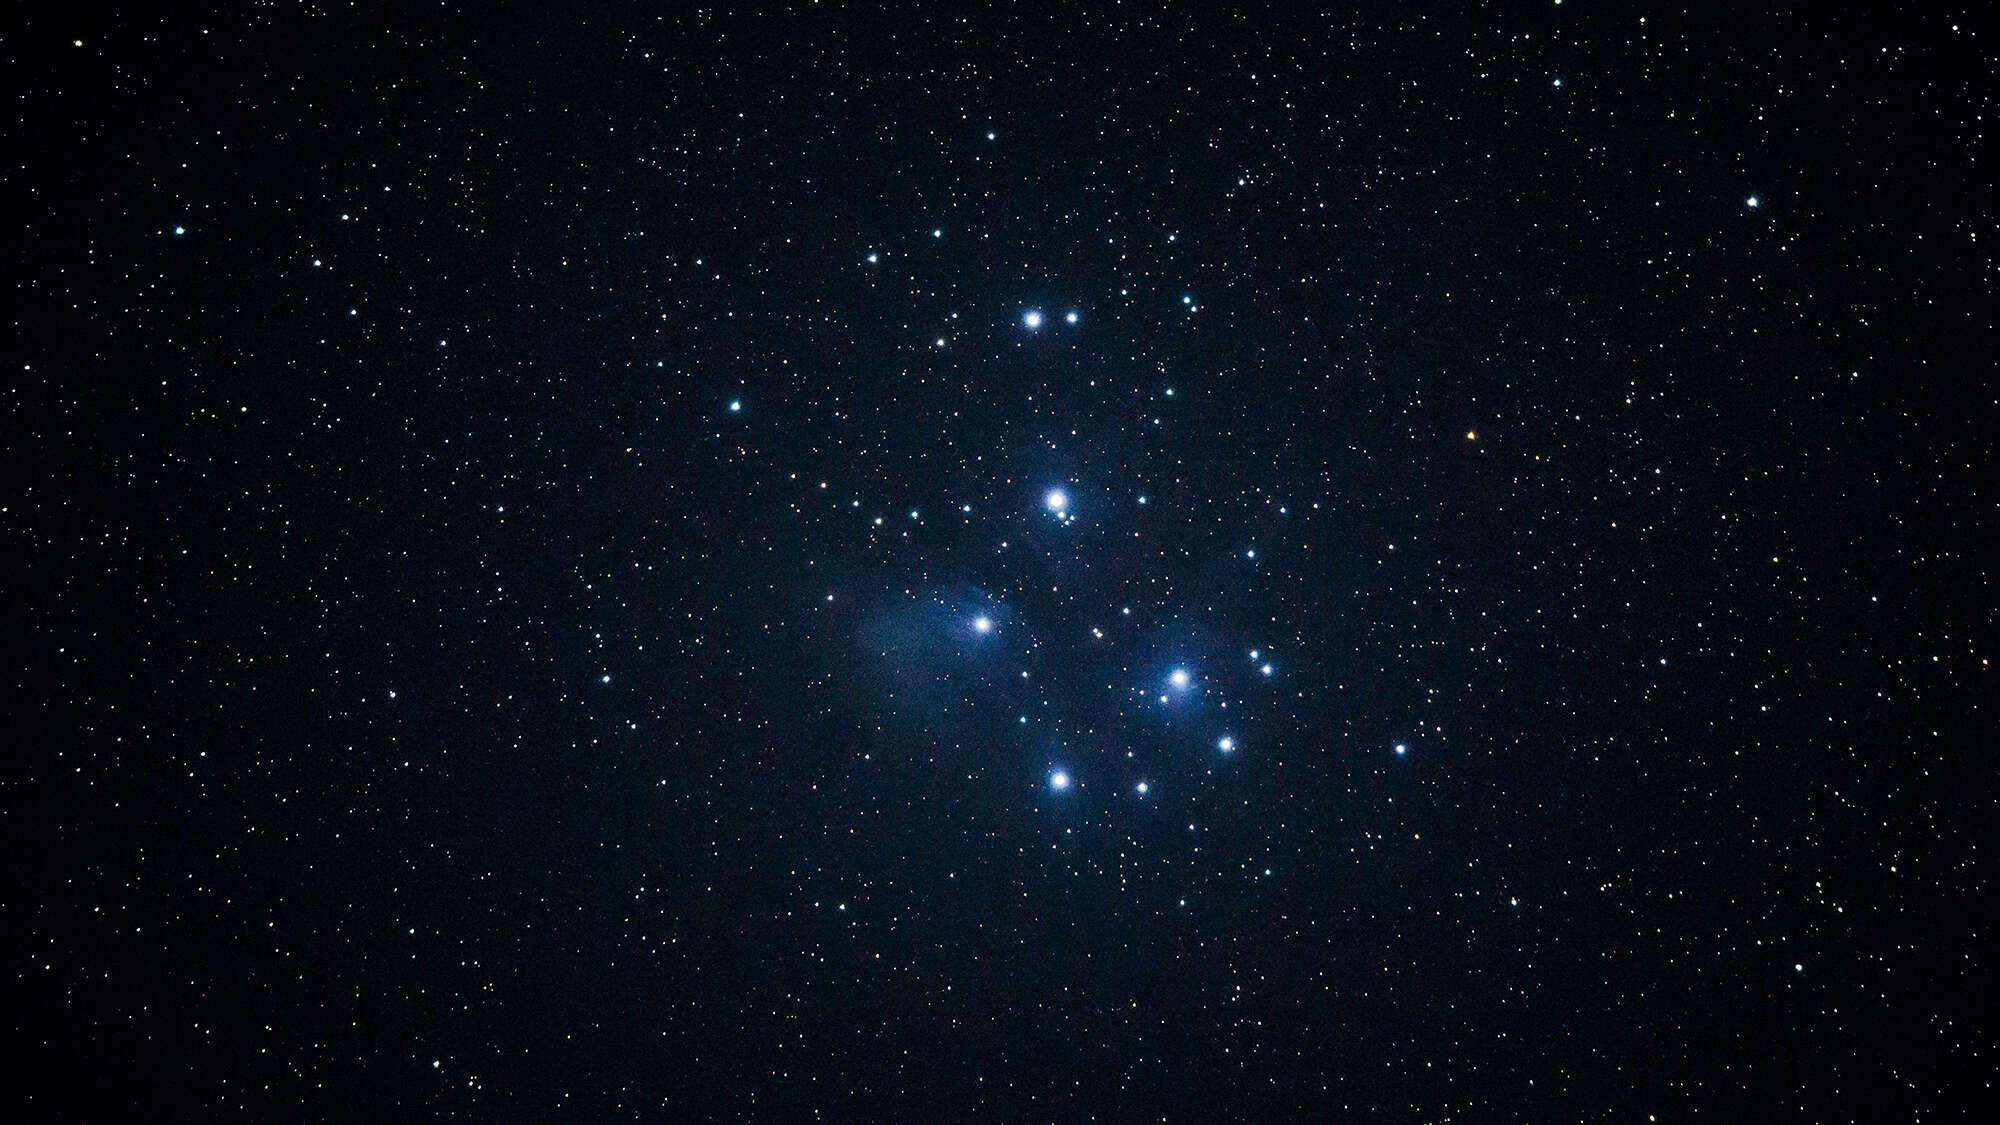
x=1402 y=748
x=736 y=406
x=1180 y=678
x=1225 y=744
x=1059 y=780
x=1057 y=500
x=1032 y=318
x=1072 y=317
x=982 y=624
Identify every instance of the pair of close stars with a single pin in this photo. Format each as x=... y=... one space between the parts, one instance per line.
x=1033 y=319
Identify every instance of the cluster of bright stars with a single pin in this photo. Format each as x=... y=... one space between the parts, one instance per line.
x=1179 y=680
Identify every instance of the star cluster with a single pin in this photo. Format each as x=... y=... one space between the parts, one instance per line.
x=1147 y=563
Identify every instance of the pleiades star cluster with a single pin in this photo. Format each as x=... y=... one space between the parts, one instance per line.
x=1166 y=563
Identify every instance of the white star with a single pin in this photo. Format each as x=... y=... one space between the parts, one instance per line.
x=1056 y=500
x=1142 y=789
x=1032 y=318
x=1071 y=316
x=1402 y=749
x=1059 y=780
x=736 y=406
x=1225 y=744
x=982 y=624
x=1180 y=678
x=1751 y=203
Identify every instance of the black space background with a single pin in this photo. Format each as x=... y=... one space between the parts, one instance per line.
x=328 y=516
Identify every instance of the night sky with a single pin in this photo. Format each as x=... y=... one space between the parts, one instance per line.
x=874 y=563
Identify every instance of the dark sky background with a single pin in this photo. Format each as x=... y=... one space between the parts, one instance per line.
x=537 y=589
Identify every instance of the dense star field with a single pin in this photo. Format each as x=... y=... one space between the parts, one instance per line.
x=890 y=563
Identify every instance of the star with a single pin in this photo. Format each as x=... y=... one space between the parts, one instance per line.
x=1071 y=316
x=1142 y=789
x=1032 y=318
x=1751 y=203
x=1180 y=678
x=1057 y=500
x=982 y=624
x=736 y=406
x=1059 y=780
x=1225 y=744
x=1401 y=748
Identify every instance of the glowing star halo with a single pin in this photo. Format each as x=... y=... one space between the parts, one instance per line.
x=1057 y=500
x=1059 y=780
x=1032 y=318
